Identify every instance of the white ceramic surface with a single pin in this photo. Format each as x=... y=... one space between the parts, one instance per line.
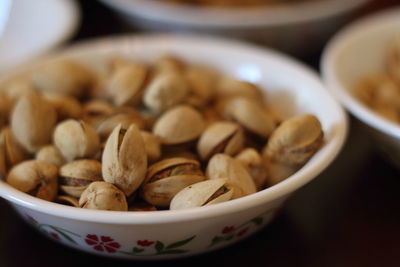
x=290 y=87
x=34 y=27
x=297 y=28
x=356 y=51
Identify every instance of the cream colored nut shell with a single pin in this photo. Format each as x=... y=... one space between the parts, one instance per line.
x=152 y=145
x=51 y=155
x=14 y=153
x=65 y=106
x=103 y=196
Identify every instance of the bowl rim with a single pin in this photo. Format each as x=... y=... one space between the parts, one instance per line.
x=328 y=62
x=187 y=15
x=320 y=161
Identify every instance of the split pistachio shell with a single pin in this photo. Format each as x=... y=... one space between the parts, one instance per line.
x=67 y=200
x=76 y=139
x=14 y=153
x=95 y=111
x=169 y=64
x=103 y=196
x=224 y=166
x=256 y=165
x=32 y=122
x=166 y=90
x=277 y=172
x=179 y=125
x=51 y=155
x=220 y=137
x=64 y=77
x=65 y=106
x=35 y=177
x=166 y=178
x=202 y=193
x=152 y=145
x=295 y=140
x=105 y=128
x=251 y=116
x=77 y=175
x=230 y=87
x=124 y=161
x=124 y=87
x=201 y=81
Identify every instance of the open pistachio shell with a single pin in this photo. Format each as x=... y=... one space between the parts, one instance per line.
x=230 y=87
x=277 y=172
x=103 y=196
x=152 y=145
x=255 y=164
x=66 y=107
x=67 y=200
x=95 y=111
x=105 y=128
x=201 y=81
x=14 y=153
x=169 y=63
x=124 y=161
x=51 y=155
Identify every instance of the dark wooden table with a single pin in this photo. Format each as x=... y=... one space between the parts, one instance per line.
x=348 y=216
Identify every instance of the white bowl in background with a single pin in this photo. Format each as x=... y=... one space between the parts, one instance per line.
x=298 y=28
x=291 y=88
x=356 y=51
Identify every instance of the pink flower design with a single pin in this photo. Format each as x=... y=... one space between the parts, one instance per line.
x=228 y=229
x=104 y=243
x=54 y=235
x=243 y=231
x=145 y=243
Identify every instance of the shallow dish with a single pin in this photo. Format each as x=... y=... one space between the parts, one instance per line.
x=172 y=234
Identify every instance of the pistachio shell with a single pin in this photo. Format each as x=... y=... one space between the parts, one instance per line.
x=35 y=177
x=67 y=200
x=256 y=166
x=51 y=155
x=76 y=139
x=295 y=140
x=152 y=145
x=230 y=87
x=17 y=87
x=3 y=165
x=277 y=172
x=169 y=63
x=32 y=122
x=5 y=109
x=105 y=128
x=95 y=111
x=220 y=137
x=393 y=59
x=224 y=166
x=65 y=106
x=201 y=81
x=141 y=206
x=124 y=159
x=103 y=196
x=14 y=153
x=179 y=125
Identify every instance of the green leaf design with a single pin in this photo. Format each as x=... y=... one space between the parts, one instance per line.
x=137 y=250
x=159 y=246
x=229 y=237
x=180 y=243
x=172 y=251
x=62 y=234
x=216 y=240
x=257 y=221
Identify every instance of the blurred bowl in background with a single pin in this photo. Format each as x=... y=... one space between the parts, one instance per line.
x=298 y=28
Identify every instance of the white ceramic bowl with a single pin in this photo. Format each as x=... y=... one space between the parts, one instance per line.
x=356 y=51
x=291 y=87
x=297 y=28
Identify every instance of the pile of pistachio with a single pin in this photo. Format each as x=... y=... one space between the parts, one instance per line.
x=144 y=137
x=381 y=91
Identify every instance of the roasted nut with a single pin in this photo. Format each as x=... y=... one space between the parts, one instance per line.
x=77 y=175
x=51 y=155
x=32 y=122
x=201 y=80
x=67 y=200
x=202 y=194
x=65 y=106
x=295 y=140
x=229 y=87
x=103 y=196
x=179 y=125
x=124 y=161
x=95 y=111
x=169 y=64
x=224 y=166
x=17 y=87
x=220 y=137
x=165 y=91
x=76 y=139
x=277 y=172
x=5 y=109
x=63 y=77
x=14 y=153
x=152 y=145
x=36 y=178
x=256 y=166
x=393 y=59
x=167 y=177
x=105 y=128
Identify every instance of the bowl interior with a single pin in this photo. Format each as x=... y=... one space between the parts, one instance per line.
x=290 y=87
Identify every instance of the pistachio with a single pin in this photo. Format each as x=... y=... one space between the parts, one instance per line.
x=5 y=109
x=220 y=137
x=65 y=106
x=169 y=63
x=14 y=153
x=179 y=125
x=77 y=175
x=32 y=121
x=36 y=178
x=105 y=128
x=51 y=155
x=277 y=172
x=166 y=178
x=124 y=159
x=393 y=59
x=17 y=87
x=256 y=166
x=152 y=145
x=165 y=91
x=224 y=166
x=3 y=165
x=202 y=194
x=64 y=77
x=67 y=200
x=95 y=111
x=229 y=87
x=201 y=80
x=125 y=85
x=76 y=139
x=167 y=154
x=295 y=140
x=103 y=196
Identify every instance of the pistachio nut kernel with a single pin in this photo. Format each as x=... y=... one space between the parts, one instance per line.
x=295 y=140
x=230 y=87
x=202 y=194
x=67 y=201
x=105 y=128
x=166 y=90
x=34 y=177
x=14 y=153
x=224 y=166
x=152 y=145
x=166 y=178
x=256 y=165
x=64 y=77
x=220 y=137
x=32 y=121
x=124 y=161
x=95 y=111
x=66 y=107
x=76 y=139
x=75 y=176
x=51 y=155
x=179 y=125
x=125 y=85
x=103 y=196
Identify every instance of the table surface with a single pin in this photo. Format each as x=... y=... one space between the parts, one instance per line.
x=348 y=216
